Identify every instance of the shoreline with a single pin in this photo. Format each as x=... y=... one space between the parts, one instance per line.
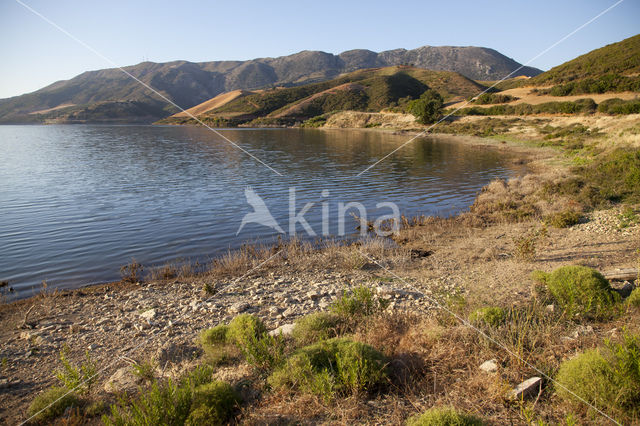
x=508 y=148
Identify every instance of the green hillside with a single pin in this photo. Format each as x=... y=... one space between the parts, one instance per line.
x=363 y=90
x=612 y=68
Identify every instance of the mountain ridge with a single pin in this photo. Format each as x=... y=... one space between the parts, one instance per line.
x=108 y=95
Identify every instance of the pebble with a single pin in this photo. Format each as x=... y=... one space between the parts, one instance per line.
x=490 y=366
x=148 y=314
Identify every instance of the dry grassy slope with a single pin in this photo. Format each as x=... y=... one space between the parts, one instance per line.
x=214 y=103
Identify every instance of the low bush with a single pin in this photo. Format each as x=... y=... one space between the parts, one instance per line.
x=59 y=399
x=493 y=98
x=77 y=378
x=360 y=302
x=213 y=404
x=564 y=219
x=214 y=336
x=492 y=316
x=246 y=334
x=216 y=347
x=633 y=301
x=617 y=106
x=314 y=327
x=608 y=378
x=444 y=416
x=245 y=328
x=168 y=403
x=333 y=367
x=580 y=291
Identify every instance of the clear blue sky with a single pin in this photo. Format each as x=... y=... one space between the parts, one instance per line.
x=34 y=54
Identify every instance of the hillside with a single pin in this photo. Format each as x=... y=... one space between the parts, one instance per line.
x=110 y=95
x=364 y=90
x=612 y=68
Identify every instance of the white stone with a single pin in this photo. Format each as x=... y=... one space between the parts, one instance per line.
x=285 y=329
x=490 y=366
x=528 y=388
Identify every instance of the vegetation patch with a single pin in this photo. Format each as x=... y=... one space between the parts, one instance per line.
x=633 y=300
x=359 y=303
x=564 y=219
x=315 y=327
x=52 y=403
x=608 y=378
x=610 y=178
x=493 y=98
x=579 y=106
x=247 y=335
x=171 y=403
x=491 y=316
x=444 y=416
x=428 y=108
x=618 y=106
x=213 y=404
x=338 y=366
x=580 y=291
x=628 y=217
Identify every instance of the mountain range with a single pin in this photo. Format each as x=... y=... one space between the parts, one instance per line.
x=110 y=95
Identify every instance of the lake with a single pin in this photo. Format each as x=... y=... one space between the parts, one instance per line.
x=79 y=201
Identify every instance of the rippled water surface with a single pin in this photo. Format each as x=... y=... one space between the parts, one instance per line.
x=77 y=202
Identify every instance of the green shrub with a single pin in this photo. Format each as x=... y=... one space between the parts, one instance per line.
x=336 y=366
x=608 y=378
x=249 y=334
x=314 y=327
x=246 y=335
x=213 y=404
x=76 y=377
x=444 y=416
x=361 y=302
x=60 y=398
x=580 y=290
x=492 y=316
x=565 y=219
x=245 y=328
x=167 y=403
x=633 y=300
x=216 y=347
x=214 y=336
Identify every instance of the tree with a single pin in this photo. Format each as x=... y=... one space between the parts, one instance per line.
x=428 y=107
